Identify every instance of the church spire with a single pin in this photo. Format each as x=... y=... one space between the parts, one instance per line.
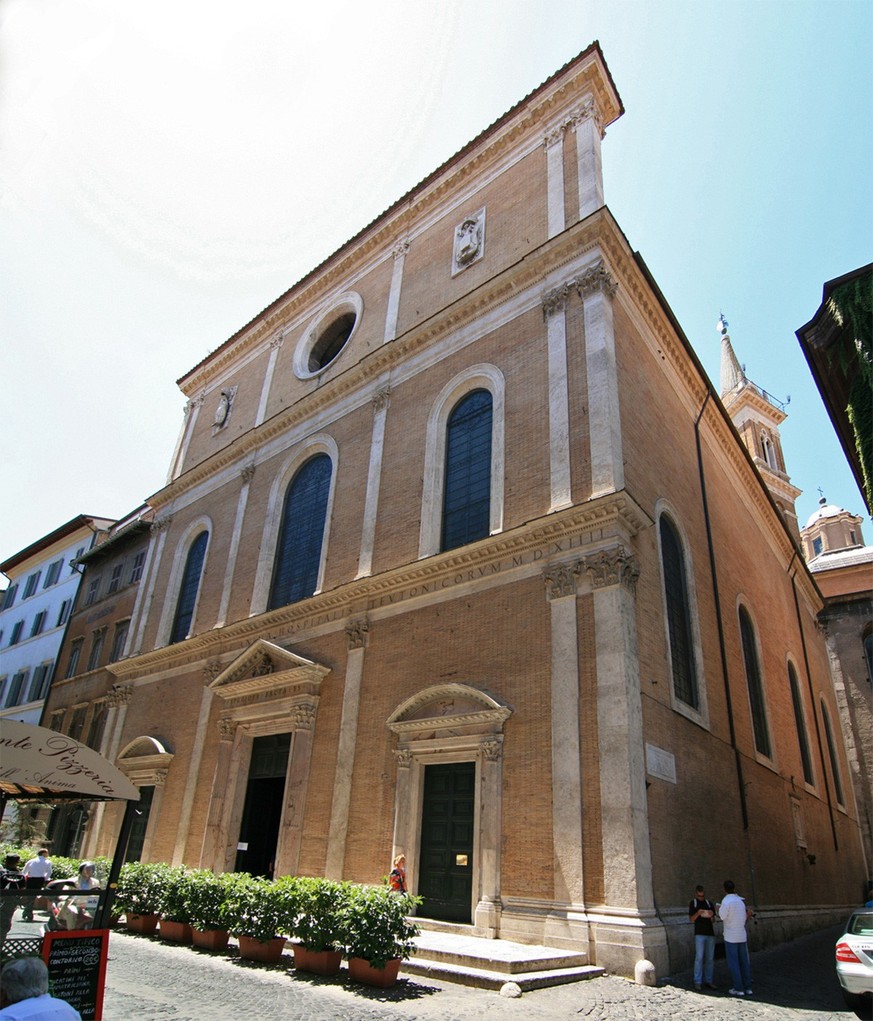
x=732 y=375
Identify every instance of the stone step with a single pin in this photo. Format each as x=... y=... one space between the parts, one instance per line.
x=452 y=953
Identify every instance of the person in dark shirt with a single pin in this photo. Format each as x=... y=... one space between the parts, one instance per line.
x=701 y=912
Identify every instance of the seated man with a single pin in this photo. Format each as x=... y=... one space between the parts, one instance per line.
x=24 y=994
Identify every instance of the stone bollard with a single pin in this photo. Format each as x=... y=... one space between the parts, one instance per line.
x=644 y=973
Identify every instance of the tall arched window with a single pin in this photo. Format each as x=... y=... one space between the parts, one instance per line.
x=678 y=615
x=754 y=682
x=189 y=588
x=832 y=755
x=800 y=723
x=467 y=489
x=301 y=535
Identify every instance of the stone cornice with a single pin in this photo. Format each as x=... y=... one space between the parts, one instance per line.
x=559 y=98
x=615 y=515
x=568 y=248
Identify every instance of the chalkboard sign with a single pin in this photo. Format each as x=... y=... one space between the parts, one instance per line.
x=77 y=968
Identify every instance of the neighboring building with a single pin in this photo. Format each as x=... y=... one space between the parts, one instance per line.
x=843 y=568
x=461 y=555
x=96 y=636
x=43 y=581
x=838 y=344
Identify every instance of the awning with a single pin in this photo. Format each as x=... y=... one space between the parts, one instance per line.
x=42 y=764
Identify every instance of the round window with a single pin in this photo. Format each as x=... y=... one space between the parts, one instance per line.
x=328 y=336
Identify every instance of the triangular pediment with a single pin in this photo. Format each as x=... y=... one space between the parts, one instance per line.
x=266 y=668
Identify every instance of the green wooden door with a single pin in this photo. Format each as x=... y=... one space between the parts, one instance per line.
x=445 y=878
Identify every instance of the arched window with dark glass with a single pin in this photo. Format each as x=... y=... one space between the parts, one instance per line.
x=832 y=755
x=188 y=589
x=467 y=484
x=301 y=534
x=678 y=615
x=755 y=684
x=800 y=723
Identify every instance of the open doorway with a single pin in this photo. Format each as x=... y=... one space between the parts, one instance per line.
x=262 y=811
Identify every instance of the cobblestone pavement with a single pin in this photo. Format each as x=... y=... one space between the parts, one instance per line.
x=152 y=981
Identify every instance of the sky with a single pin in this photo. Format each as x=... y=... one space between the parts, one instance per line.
x=168 y=169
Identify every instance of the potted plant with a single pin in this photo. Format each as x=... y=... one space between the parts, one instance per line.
x=259 y=917
x=173 y=906
x=207 y=899
x=138 y=894
x=379 y=935
x=319 y=926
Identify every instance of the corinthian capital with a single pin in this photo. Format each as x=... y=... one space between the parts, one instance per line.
x=381 y=398
x=560 y=580
x=357 y=631
x=596 y=279
x=119 y=695
x=555 y=300
x=615 y=566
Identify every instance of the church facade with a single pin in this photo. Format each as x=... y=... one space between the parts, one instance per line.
x=463 y=557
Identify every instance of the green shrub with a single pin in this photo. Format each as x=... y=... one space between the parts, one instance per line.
x=140 y=887
x=172 y=902
x=256 y=908
x=376 y=924
x=207 y=899
x=321 y=913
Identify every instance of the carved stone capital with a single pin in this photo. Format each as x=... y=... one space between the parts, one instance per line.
x=555 y=300
x=159 y=777
x=226 y=729
x=277 y=341
x=304 y=716
x=492 y=750
x=596 y=279
x=381 y=398
x=357 y=633
x=403 y=758
x=211 y=670
x=560 y=580
x=119 y=695
x=612 y=567
x=585 y=111
x=555 y=135
x=401 y=248
x=161 y=525
x=199 y=400
x=247 y=474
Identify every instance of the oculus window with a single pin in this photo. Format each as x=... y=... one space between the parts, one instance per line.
x=327 y=337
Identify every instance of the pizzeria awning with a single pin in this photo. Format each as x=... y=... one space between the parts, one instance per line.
x=42 y=764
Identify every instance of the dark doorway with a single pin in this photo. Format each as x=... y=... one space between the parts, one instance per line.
x=262 y=813
x=142 y=811
x=446 y=861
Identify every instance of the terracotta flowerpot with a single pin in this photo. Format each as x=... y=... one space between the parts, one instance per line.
x=320 y=962
x=210 y=939
x=177 y=932
x=146 y=924
x=362 y=971
x=267 y=953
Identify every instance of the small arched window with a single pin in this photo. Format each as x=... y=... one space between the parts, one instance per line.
x=800 y=723
x=189 y=588
x=467 y=488
x=678 y=615
x=754 y=682
x=301 y=534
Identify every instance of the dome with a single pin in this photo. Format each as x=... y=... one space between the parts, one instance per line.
x=825 y=510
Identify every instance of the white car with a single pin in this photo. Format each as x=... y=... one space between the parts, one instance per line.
x=854 y=954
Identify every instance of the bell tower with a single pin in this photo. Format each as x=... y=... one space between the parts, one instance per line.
x=757 y=416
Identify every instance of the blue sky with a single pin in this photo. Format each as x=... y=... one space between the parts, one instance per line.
x=168 y=169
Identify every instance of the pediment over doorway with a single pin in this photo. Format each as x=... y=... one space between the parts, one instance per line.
x=145 y=761
x=266 y=671
x=449 y=708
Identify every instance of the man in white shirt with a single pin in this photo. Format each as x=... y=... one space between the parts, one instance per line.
x=37 y=872
x=733 y=912
x=24 y=994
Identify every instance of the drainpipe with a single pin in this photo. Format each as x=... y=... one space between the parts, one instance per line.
x=812 y=702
